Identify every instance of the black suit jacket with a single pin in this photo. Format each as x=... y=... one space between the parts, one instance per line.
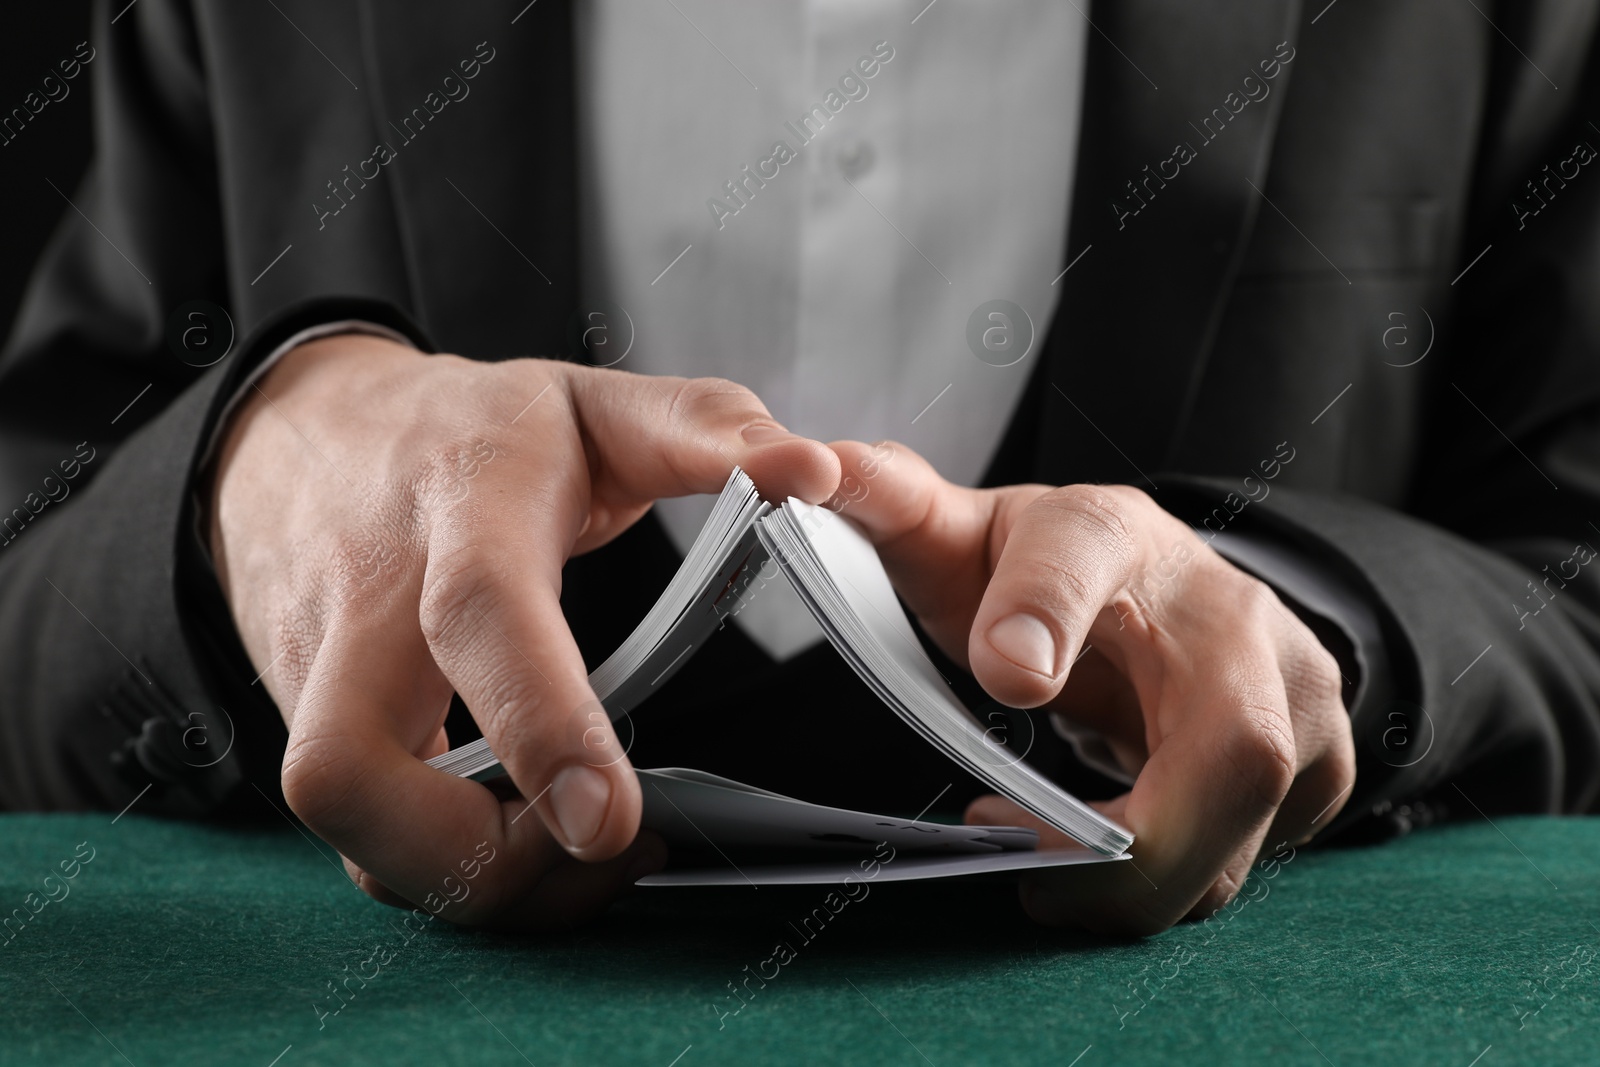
x=1222 y=307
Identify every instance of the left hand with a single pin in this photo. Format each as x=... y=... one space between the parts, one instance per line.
x=1093 y=601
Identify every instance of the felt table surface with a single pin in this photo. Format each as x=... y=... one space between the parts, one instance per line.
x=178 y=943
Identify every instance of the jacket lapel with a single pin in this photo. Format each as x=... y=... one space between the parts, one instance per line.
x=484 y=187
x=1163 y=205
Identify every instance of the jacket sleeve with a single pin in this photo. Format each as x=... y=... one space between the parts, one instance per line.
x=121 y=677
x=1483 y=575
x=1486 y=579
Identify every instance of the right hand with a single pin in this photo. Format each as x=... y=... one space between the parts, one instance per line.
x=389 y=528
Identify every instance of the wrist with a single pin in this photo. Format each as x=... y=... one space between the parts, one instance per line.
x=321 y=366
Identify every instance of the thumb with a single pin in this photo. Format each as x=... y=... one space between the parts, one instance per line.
x=656 y=437
x=931 y=534
x=1065 y=557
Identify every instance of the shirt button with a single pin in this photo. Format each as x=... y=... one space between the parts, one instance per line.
x=855 y=160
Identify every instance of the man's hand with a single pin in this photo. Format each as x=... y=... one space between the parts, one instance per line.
x=1095 y=602
x=390 y=528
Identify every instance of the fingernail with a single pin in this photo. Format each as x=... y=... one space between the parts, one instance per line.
x=1026 y=641
x=579 y=797
x=763 y=433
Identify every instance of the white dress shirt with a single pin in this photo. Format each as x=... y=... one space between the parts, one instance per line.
x=837 y=284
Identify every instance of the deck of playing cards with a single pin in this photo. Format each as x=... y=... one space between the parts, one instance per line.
x=724 y=832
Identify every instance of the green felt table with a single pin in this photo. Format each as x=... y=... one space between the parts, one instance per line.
x=178 y=943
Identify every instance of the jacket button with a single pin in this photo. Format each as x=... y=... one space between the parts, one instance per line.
x=159 y=750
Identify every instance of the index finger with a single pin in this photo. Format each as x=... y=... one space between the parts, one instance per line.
x=1199 y=809
x=354 y=775
x=659 y=437
x=490 y=601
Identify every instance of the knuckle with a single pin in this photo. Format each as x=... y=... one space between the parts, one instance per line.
x=373 y=535
x=1076 y=596
x=436 y=467
x=1130 y=498
x=444 y=469
x=1062 y=568
x=1256 y=601
x=699 y=396
x=454 y=590
x=1098 y=511
x=462 y=597
x=508 y=701
x=1324 y=680
x=1259 y=593
x=357 y=560
x=520 y=394
x=517 y=380
x=1218 y=895
x=1088 y=549
x=1252 y=603
x=318 y=780
x=1261 y=750
x=1312 y=673
x=1263 y=614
